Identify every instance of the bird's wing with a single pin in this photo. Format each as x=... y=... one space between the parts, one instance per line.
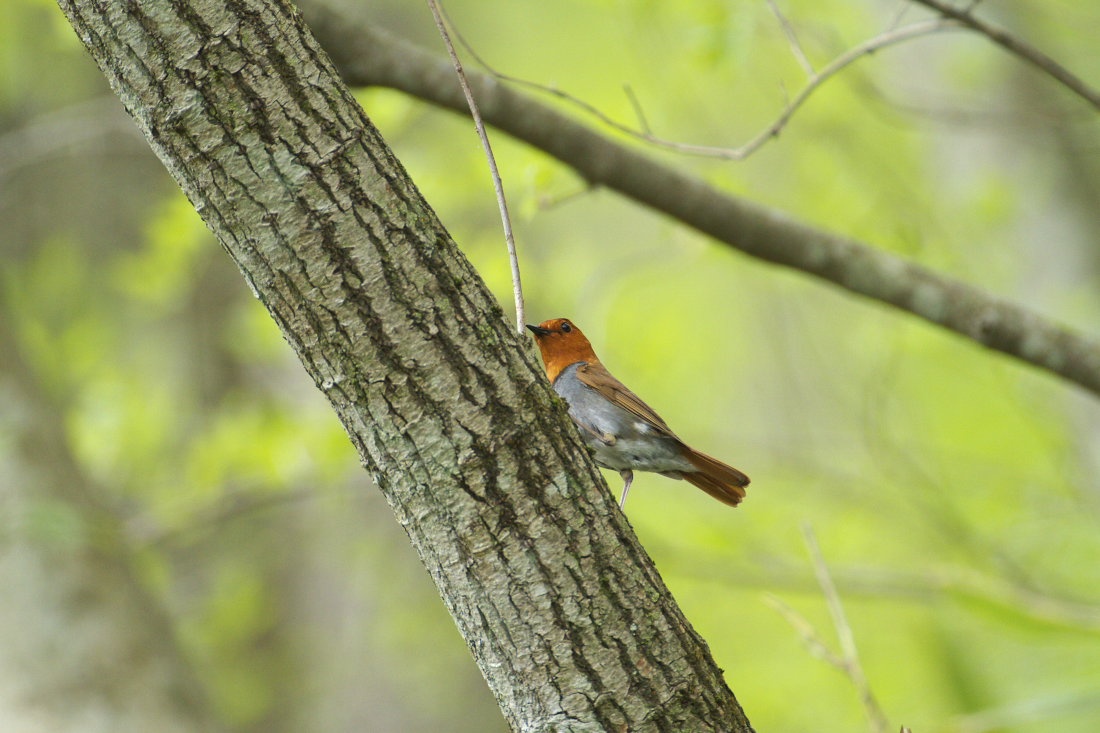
x=596 y=376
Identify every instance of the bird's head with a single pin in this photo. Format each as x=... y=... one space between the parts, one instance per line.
x=561 y=344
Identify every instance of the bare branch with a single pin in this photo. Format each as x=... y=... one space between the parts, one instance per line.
x=368 y=57
x=899 y=13
x=638 y=111
x=852 y=666
x=1017 y=47
x=498 y=185
x=792 y=38
x=813 y=641
x=879 y=42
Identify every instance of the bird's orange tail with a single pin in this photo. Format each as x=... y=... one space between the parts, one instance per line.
x=724 y=483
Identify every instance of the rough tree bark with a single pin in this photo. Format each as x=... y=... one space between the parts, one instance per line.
x=563 y=610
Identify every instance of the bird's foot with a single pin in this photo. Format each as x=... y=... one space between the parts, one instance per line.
x=628 y=478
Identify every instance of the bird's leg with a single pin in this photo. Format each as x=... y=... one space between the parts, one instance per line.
x=628 y=477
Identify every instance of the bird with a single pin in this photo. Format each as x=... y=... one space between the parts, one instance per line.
x=624 y=433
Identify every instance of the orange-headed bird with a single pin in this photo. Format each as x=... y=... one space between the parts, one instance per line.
x=624 y=433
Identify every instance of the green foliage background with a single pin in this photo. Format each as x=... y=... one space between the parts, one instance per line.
x=955 y=494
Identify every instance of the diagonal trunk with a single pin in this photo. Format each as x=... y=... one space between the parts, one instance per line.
x=562 y=609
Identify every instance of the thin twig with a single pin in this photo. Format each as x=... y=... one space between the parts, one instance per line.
x=866 y=48
x=852 y=666
x=638 y=111
x=369 y=57
x=813 y=641
x=547 y=202
x=498 y=185
x=879 y=42
x=1018 y=47
x=899 y=14
x=792 y=38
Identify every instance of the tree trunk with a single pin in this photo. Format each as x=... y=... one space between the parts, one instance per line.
x=563 y=610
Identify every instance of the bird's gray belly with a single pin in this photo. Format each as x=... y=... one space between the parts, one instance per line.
x=637 y=445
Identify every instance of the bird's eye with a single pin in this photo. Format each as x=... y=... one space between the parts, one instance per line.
x=565 y=327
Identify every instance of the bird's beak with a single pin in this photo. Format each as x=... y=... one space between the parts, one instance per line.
x=538 y=330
